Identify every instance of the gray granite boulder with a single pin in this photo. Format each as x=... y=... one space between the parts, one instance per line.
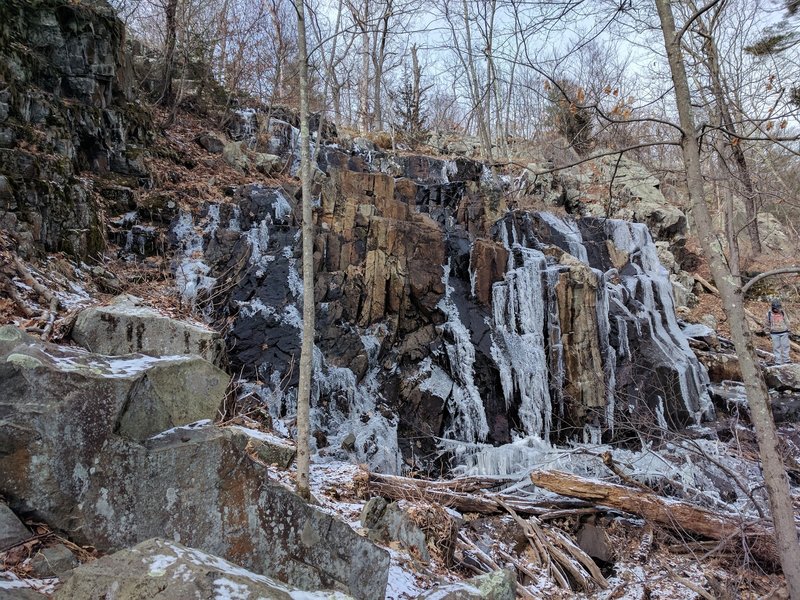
x=201 y=487
x=59 y=405
x=64 y=458
x=211 y=142
x=128 y=325
x=498 y=585
x=133 y=395
x=388 y=522
x=783 y=377
x=54 y=561
x=12 y=531
x=170 y=571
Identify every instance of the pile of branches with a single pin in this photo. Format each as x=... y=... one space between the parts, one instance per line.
x=552 y=549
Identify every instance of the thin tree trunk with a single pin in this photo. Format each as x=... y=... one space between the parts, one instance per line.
x=774 y=472
x=365 y=60
x=378 y=61
x=307 y=351
x=478 y=107
x=169 y=51
x=732 y=233
x=750 y=196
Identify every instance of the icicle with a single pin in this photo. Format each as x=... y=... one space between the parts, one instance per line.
x=191 y=273
x=464 y=404
x=518 y=341
x=609 y=356
x=554 y=341
x=569 y=232
x=652 y=288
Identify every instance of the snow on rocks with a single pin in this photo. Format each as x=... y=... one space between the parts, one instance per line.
x=171 y=571
x=128 y=325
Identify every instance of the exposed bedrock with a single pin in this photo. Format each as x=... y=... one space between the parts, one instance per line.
x=441 y=314
x=66 y=106
x=170 y=571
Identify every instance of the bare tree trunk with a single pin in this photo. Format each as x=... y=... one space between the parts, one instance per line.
x=478 y=100
x=774 y=470
x=307 y=351
x=750 y=195
x=365 y=60
x=732 y=234
x=378 y=61
x=167 y=94
x=416 y=89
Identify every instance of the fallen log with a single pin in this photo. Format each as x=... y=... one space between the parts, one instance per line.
x=467 y=495
x=674 y=514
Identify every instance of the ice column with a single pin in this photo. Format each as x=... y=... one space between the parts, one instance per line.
x=518 y=312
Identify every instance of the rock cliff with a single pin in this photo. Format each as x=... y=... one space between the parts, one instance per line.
x=440 y=313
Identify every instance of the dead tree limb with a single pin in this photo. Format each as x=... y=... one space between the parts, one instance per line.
x=760 y=276
x=49 y=317
x=675 y=514
x=554 y=543
x=468 y=495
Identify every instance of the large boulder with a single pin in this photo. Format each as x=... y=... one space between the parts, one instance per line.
x=170 y=571
x=128 y=325
x=60 y=405
x=201 y=486
x=783 y=377
x=73 y=454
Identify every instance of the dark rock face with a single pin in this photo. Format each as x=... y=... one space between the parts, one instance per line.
x=68 y=94
x=437 y=318
x=12 y=531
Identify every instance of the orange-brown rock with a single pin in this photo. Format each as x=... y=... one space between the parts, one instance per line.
x=488 y=263
x=577 y=295
x=373 y=235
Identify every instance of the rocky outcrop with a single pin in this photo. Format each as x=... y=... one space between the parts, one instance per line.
x=170 y=571
x=577 y=296
x=128 y=326
x=437 y=320
x=77 y=450
x=366 y=220
x=66 y=106
x=133 y=395
x=611 y=186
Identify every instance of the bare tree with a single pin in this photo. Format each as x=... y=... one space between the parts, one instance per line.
x=730 y=290
x=307 y=349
